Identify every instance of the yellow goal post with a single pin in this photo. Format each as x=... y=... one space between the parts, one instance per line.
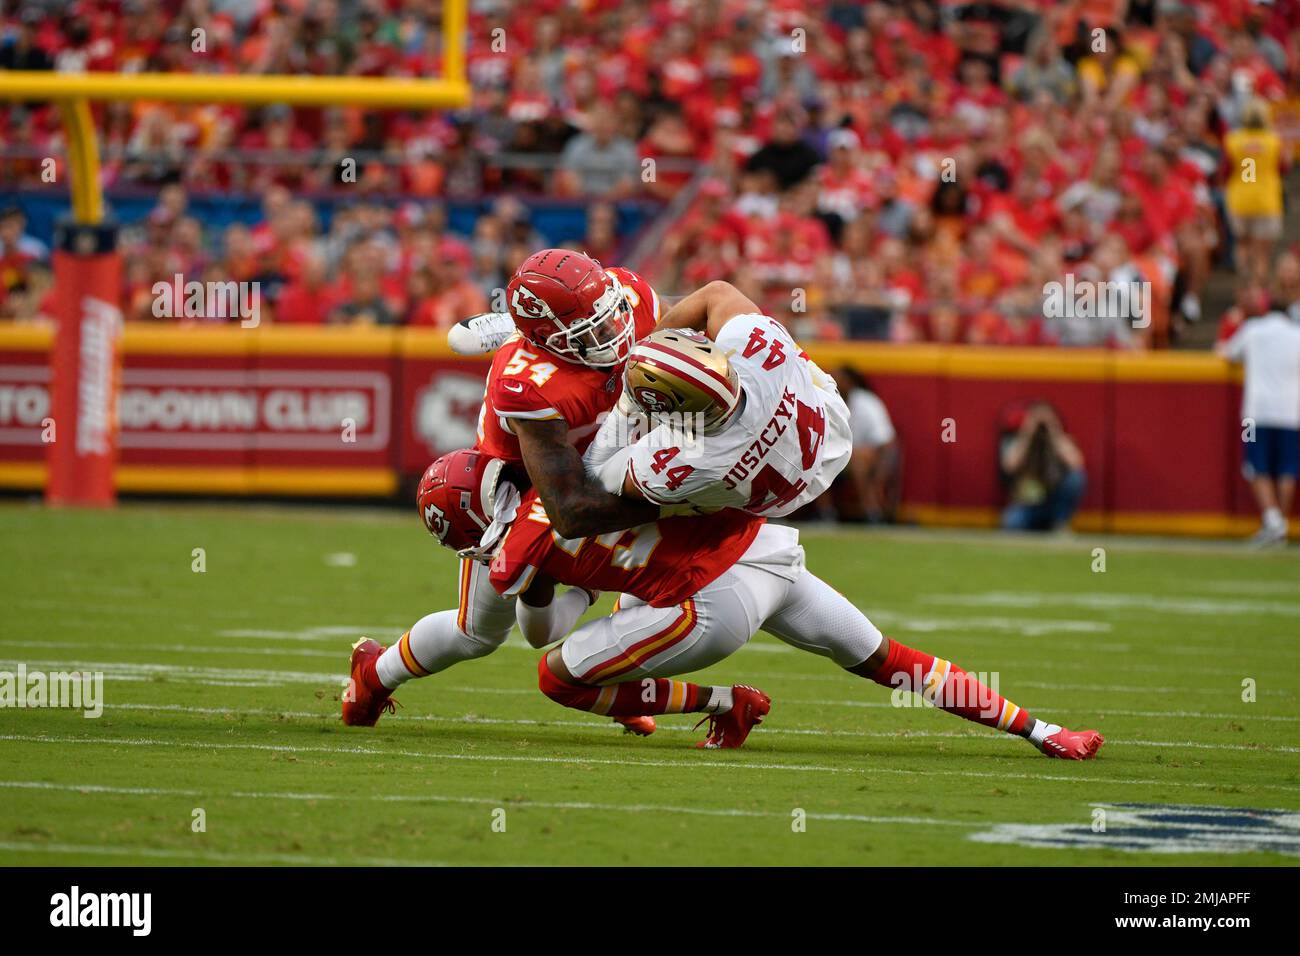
x=72 y=92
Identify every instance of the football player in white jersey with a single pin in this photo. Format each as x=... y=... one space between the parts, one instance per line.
x=773 y=431
x=742 y=418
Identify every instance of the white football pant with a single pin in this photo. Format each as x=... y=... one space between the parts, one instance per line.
x=768 y=589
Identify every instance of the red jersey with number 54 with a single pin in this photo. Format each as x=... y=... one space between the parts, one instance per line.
x=662 y=563
x=527 y=382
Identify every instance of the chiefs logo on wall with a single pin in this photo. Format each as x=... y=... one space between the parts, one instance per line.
x=446 y=412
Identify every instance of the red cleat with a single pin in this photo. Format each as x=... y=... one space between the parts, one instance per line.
x=642 y=726
x=1073 y=744
x=728 y=730
x=365 y=698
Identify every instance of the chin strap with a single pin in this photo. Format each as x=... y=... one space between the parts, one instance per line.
x=505 y=505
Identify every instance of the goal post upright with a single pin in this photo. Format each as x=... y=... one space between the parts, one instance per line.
x=85 y=359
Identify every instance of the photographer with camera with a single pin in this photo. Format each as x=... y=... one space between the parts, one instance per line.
x=1042 y=468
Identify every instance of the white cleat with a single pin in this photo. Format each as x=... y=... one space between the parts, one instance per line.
x=480 y=334
x=1269 y=536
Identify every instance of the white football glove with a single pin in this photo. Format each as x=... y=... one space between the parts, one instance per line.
x=480 y=334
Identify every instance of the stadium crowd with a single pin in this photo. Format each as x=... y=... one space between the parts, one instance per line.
x=915 y=171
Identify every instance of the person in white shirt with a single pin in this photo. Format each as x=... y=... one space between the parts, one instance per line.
x=1269 y=347
x=872 y=473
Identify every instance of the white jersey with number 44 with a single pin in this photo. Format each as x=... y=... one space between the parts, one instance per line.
x=775 y=455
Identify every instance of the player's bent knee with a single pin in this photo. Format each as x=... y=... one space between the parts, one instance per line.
x=859 y=645
x=481 y=644
x=562 y=692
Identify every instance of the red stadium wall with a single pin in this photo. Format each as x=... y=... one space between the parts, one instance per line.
x=226 y=410
x=1160 y=432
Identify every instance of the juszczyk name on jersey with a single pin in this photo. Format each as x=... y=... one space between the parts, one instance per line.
x=72 y=690
x=179 y=299
x=680 y=430
x=913 y=690
x=74 y=908
x=1085 y=299
x=788 y=411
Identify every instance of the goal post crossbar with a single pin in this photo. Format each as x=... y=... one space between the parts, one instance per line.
x=441 y=92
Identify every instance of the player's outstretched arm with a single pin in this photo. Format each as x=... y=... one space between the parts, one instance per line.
x=709 y=308
x=578 y=507
x=618 y=430
x=545 y=616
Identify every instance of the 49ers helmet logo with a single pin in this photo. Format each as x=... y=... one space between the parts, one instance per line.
x=527 y=305
x=653 y=400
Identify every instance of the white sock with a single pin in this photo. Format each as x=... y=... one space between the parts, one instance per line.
x=390 y=670
x=1042 y=730
x=436 y=643
x=720 y=701
x=1273 y=518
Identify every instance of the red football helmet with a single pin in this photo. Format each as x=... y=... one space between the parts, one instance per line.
x=455 y=496
x=566 y=303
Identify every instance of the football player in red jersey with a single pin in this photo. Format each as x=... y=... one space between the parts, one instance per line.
x=575 y=324
x=694 y=590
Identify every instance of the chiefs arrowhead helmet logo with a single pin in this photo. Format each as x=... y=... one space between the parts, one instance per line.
x=435 y=521
x=527 y=305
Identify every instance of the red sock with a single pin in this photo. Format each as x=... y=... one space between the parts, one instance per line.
x=950 y=688
x=634 y=698
x=370 y=677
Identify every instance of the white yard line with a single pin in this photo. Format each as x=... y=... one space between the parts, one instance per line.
x=1025 y=626
x=1080 y=543
x=136 y=609
x=604 y=726
x=267 y=678
x=693 y=764
x=205 y=856
x=1237 y=587
x=183 y=671
x=332 y=633
x=178 y=648
x=272 y=677
x=1063 y=707
x=520 y=804
x=1189 y=604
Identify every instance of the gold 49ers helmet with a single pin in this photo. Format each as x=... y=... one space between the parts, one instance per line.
x=680 y=372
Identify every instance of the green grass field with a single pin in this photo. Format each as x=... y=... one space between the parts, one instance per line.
x=222 y=695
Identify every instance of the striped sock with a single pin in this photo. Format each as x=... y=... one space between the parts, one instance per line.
x=633 y=698
x=398 y=664
x=950 y=688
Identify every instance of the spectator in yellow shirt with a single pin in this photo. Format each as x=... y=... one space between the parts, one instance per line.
x=1253 y=193
x=1108 y=77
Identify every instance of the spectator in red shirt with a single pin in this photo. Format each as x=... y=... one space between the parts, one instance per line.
x=311 y=298
x=442 y=294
